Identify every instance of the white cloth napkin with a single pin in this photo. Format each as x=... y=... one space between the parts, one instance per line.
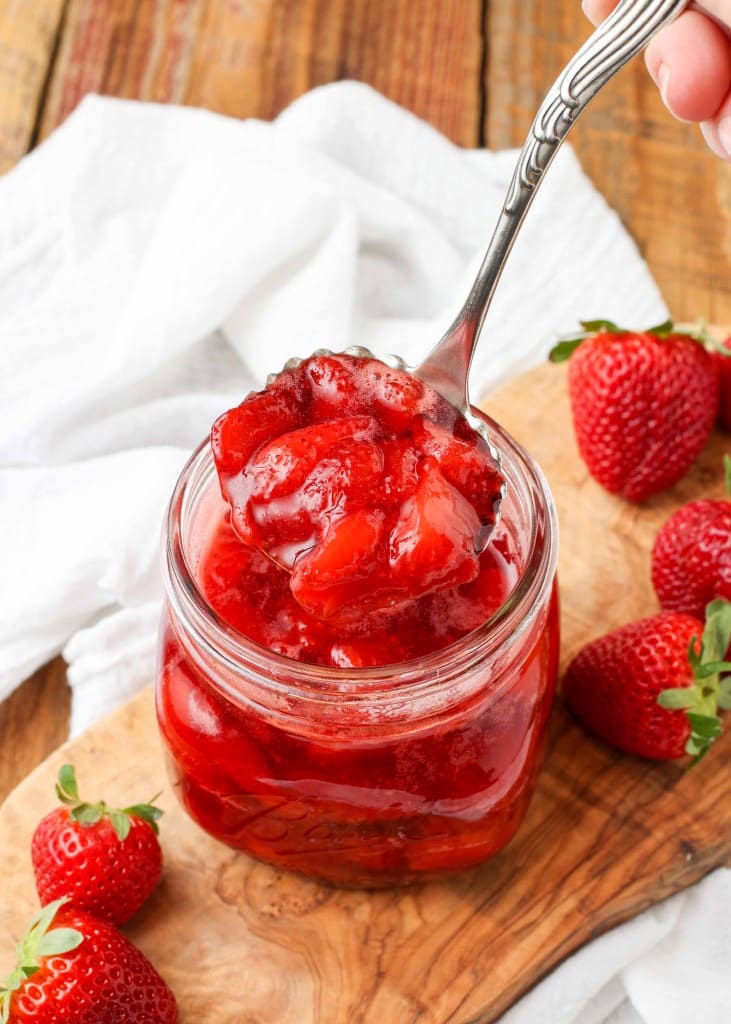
x=158 y=262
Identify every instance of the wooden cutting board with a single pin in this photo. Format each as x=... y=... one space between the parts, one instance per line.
x=606 y=836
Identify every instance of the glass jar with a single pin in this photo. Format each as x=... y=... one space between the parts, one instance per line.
x=360 y=777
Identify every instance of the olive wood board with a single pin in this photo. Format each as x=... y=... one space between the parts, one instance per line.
x=606 y=836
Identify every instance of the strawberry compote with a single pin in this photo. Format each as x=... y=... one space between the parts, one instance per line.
x=367 y=486
x=361 y=723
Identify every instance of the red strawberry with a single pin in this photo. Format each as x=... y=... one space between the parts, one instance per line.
x=74 y=969
x=653 y=687
x=723 y=362
x=107 y=861
x=691 y=556
x=643 y=404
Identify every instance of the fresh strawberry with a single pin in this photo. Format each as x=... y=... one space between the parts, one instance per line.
x=75 y=969
x=691 y=556
x=654 y=687
x=723 y=362
x=643 y=404
x=107 y=861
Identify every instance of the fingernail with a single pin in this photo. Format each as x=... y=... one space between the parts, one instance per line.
x=663 y=80
x=709 y=131
x=724 y=136
x=586 y=8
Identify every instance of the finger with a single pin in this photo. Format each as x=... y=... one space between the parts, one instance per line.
x=597 y=10
x=690 y=62
x=719 y=10
x=717 y=131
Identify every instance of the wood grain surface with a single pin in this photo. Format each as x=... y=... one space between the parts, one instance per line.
x=606 y=836
x=474 y=68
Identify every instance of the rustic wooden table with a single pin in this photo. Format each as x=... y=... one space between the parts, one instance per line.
x=476 y=69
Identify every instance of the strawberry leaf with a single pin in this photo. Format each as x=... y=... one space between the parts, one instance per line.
x=717 y=634
x=147 y=812
x=701 y=334
x=712 y=668
x=120 y=823
x=697 y=748
x=59 y=940
x=88 y=814
x=662 y=330
x=66 y=788
x=594 y=326
x=706 y=727
x=563 y=350
x=5 y=997
x=678 y=698
x=727 y=468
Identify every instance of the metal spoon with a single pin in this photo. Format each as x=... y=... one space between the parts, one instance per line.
x=617 y=40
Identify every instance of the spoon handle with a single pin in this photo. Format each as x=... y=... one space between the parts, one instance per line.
x=617 y=40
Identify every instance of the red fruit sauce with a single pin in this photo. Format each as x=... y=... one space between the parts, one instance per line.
x=365 y=731
x=364 y=484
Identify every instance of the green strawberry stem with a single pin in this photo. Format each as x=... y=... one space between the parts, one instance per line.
x=40 y=940
x=565 y=348
x=711 y=689
x=89 y=814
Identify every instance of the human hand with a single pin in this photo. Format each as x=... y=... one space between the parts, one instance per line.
x=690 y=62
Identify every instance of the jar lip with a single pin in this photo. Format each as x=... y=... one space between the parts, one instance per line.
x=237 y=652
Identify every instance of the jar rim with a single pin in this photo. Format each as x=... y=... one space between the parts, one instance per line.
x=236 y=653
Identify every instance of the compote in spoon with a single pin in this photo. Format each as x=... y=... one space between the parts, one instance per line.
x=373 y=484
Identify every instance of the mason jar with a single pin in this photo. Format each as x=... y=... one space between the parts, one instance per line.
x=364 y=777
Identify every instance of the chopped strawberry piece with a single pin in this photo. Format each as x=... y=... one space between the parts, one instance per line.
x=401 y=469
x=336 y=572
x=433 y=542
x=397 y=397
x=348 y=478
x=282 y=465
x=237 y=434
x=334 y=388
x=467 y=464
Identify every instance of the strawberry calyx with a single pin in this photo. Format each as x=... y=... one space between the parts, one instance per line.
x=711 y=689
x=565 y=348
x=40 y=940
x=89 y=814
x=727 y=473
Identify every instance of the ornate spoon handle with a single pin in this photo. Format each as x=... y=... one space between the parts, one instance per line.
x=617 y=40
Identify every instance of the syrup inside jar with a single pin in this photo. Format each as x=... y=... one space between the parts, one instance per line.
x=364 y=485
x=394 y=732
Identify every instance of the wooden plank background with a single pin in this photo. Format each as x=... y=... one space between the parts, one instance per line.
x=476 y=69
